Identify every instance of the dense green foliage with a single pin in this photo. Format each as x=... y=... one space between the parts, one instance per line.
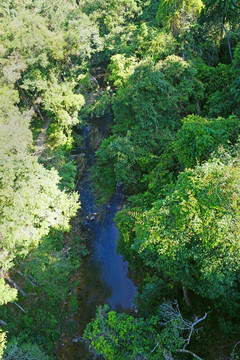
x=27 y=351
x=2 y=342
x=199 y=137
x=44 y=52
x=193 y=234
x=120 y=336
x=174 y=149
x=173 y=84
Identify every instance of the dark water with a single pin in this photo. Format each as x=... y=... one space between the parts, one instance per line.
x=104 y=277
x=113 y=268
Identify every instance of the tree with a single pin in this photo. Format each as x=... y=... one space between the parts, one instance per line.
x=147 y=108
x=31 y=204
x=2 y=342
x=8 y=294
x=192 y=235
x=121 y=68
x=218 y=98
x=27 y=351
x=13 y=125
x=199 y=137
x=178 y=15
x=224 y=17
x=41 y=66
x=111 y=14
x=161 y=94
x=112 y=17
x=63 y=106
x=120 y=336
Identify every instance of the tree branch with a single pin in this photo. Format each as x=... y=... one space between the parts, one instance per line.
x=189 y=352
x=25 y=277
x=169 y=312
x=19 y=307
x=16 y=286
x=155 y=347
x=2 y=322
x=192 y=329
x=234 y=348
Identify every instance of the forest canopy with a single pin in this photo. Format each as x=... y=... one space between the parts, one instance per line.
x=170 y=81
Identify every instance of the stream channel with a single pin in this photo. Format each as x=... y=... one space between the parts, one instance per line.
x=104 y=275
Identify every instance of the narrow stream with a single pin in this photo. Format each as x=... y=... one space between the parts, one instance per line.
x=104 y=277
x=113 y=268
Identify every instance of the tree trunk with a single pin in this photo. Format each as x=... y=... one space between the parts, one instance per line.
x=185 y=294
x=16 y=286
x=229 y=43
